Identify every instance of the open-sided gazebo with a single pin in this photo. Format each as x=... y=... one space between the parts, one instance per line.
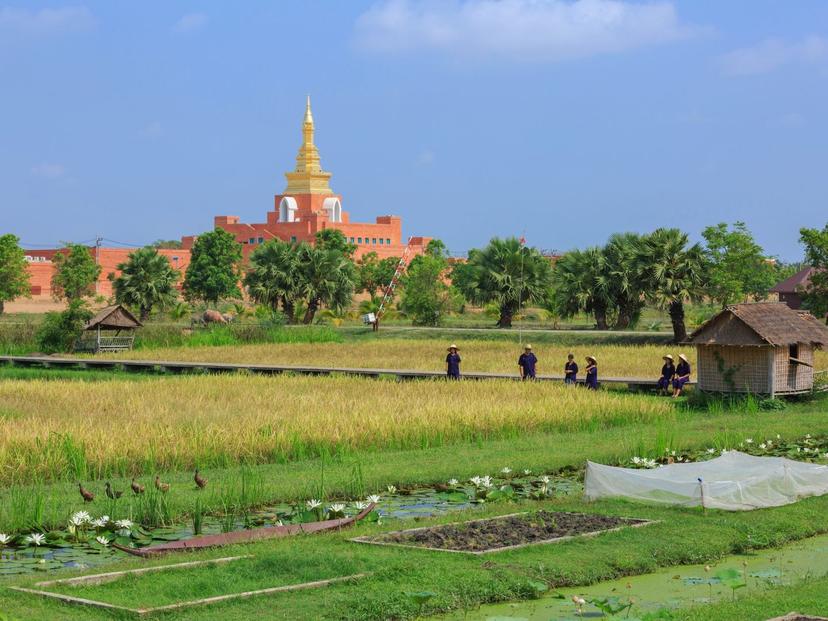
x=112 y=329
x=763 y=348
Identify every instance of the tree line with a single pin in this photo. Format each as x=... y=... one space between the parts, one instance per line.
x=612 y=283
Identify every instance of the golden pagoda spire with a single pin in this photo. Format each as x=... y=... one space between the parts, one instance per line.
x=308 y=176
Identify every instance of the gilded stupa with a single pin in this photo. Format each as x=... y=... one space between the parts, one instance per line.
x=308 y=176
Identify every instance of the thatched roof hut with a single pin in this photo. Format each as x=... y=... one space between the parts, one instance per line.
x=763 y=348
x=98 y=330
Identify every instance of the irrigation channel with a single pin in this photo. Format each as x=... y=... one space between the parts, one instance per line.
x=419 y=502
x=680 y=586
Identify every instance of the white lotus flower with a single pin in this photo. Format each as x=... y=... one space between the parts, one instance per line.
x=4 y=539
x=102 y=540
x=374 y=499
x=35 y=539
x=359 y=505
x=337 y=507
x=453 y=482
x=313 y=504
x=392 y=489
x=80 y=518
x=123 y=524
x=506 y=470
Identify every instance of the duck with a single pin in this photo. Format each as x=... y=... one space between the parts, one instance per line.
x=200 y=481
x=163 y=487
x=111 y=493
x=137 y=488
x=85 y=493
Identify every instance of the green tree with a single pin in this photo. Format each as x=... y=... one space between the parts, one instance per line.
x=327 y=277
x=671 y=273
x=506 y=273
x=14 y=274
x=147 y=281
x=426 y=297
x=738 y=267
x=274 y=276
x=214 y=270
x=581 y=284
x=620 y=282
x=815 y=295
x=334 y=239
x=76 y=273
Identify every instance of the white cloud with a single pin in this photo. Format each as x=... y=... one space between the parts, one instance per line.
x=541 y=30
x=48 y=170
x=190 y=23
x=152 y=130
x=45 y=21
x=771 y=54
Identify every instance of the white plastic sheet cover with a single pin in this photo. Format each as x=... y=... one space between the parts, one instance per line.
x=733 y=482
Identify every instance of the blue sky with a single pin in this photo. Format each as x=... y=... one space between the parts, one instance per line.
x=469 y=118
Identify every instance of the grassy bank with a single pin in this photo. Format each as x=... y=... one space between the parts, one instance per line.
x=455 y=581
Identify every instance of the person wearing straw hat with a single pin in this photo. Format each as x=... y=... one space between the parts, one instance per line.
x=668 y=372
x=682 y=375
x=591 y=373
x=453 y=363
x=527 y=363
x=571 y=371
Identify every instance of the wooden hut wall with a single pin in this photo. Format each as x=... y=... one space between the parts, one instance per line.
x=793 y=377
x=752 y=374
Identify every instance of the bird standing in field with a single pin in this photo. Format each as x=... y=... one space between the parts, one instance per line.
x=111 y=493
x=137 y=488
x=163 y=487
x=85 y=493
x=200 y=481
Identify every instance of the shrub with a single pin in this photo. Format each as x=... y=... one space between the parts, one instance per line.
x=60 y=331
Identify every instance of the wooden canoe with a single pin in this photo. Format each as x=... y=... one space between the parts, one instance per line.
x=245 y=536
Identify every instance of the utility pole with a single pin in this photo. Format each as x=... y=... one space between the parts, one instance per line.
x=98 y=241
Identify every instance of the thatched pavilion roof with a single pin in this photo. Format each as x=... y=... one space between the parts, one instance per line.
x=113 y=318
x=763 y=323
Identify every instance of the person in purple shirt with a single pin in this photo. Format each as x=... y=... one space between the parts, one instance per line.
x=682 y=375
x=453 y=363
x=592 y=373
x=571 y=371
x=527 y=363
x=668 y=372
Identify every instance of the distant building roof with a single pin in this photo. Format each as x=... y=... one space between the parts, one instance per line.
x=796 y=282
x=763 y=323
x=113 y=318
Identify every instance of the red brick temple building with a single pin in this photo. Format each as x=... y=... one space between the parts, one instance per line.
x=306 y=206
x=309 y=205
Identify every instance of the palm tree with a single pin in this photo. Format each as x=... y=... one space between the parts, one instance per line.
x=625 y=289
x=274 y=276
x=327 y=277
x=508 y=273
x=147 y=281
x=581 y=283
x=671 y=273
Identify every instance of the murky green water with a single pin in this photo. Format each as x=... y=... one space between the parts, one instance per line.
x=419 y=503
x=673 y=587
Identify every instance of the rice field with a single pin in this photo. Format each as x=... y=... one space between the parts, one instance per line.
x=68 y=430
x=478 y=355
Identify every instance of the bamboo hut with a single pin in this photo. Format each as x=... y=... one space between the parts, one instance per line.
x=763 y=348
x=112 y=329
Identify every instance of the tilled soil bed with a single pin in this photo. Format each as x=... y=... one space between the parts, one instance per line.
x=508 y=531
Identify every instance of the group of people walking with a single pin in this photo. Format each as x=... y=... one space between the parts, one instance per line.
x=671 y=375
